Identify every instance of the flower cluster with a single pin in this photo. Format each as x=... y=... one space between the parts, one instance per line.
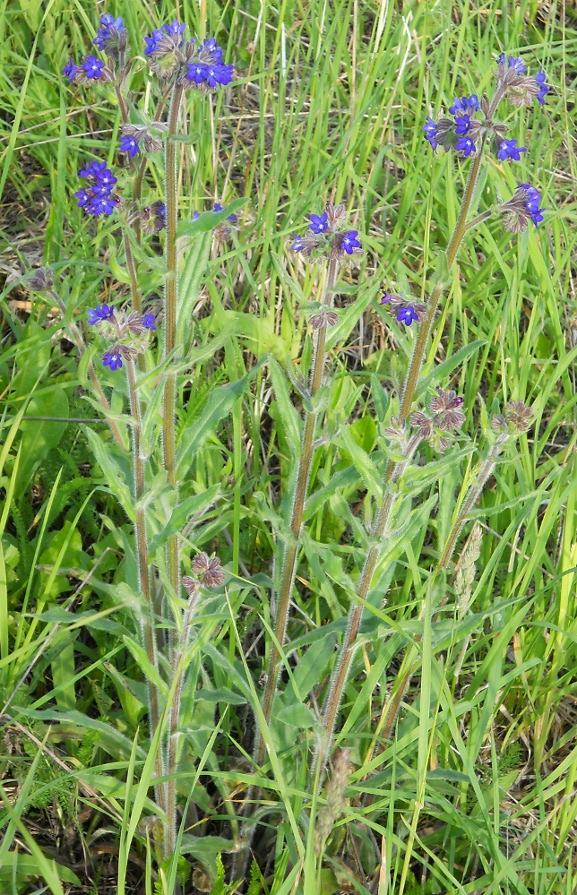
x=516 y=419
x=194 y=64
x=326 y=237
x=405 y=312
x=99 y=197
x=520 y=88
x=522 y=207
x=444 y=416
x=90 y=69
x=129 y=331
x=111 y=37
x=207 y=572
x=132 y=136
x=464 y=133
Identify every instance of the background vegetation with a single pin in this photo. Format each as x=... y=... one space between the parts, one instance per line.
x=475 y=789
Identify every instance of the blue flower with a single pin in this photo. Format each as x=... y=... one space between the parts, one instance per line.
x=219 y=74
x=148 y=321
x=93 y=67
x=466 y=146
x=466 y=105
x=212 y=74
x=111 y=35
x=175 y=30
x=532 y=203
x=319 y=223
x=407 y=315
x=152 y=42
x=100 y=313
x=508 y=150
x=430 y=129
x=298 y=244
x=512 y=62
x=462 y=124
x=544 y=89
x=211 y=46
x=350 y=241
x=523 y=206
x=98 y=198
x=197 y=72
x=112 y=359
x=195 y=215
x=218 y=207
x=70 y=70
x=129 y=145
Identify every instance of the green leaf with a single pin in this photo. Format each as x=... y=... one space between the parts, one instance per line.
x=41 y=436
x=441 y=372
x=142 y=660
x=220 y=403
x=299 y=716
x=181 y=514
x=114 y=472
x=284 y=408
x=223 y=694
x=361 y=460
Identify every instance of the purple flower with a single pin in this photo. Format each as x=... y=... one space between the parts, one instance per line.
x=152 y=42
x=129 y=145
x=197 y=72
x=465 y=105
x=533 y=203
x=70 y=70
x=111 y=36
x=148 y=321
x=407 y=315
x=98 y=198
x=430 y=129
x=462 y=124
x=466 y=146
x=195 y=215
x=543 y=88
x=112 y=359
x=298 y=244
x=218 y=207
x=219 y=75
x=522 y=207
x=176 y=29
x=517 y=64
x=319 y=223
x=97 y=315
x=155 y=44
x=210 y=46
x=92 y=67
x=350 y=241
x=508 y=150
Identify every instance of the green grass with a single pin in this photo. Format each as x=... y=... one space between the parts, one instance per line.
x=475 y=790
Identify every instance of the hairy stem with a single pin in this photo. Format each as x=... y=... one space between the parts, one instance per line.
x=170 y=308
x=148 y=619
